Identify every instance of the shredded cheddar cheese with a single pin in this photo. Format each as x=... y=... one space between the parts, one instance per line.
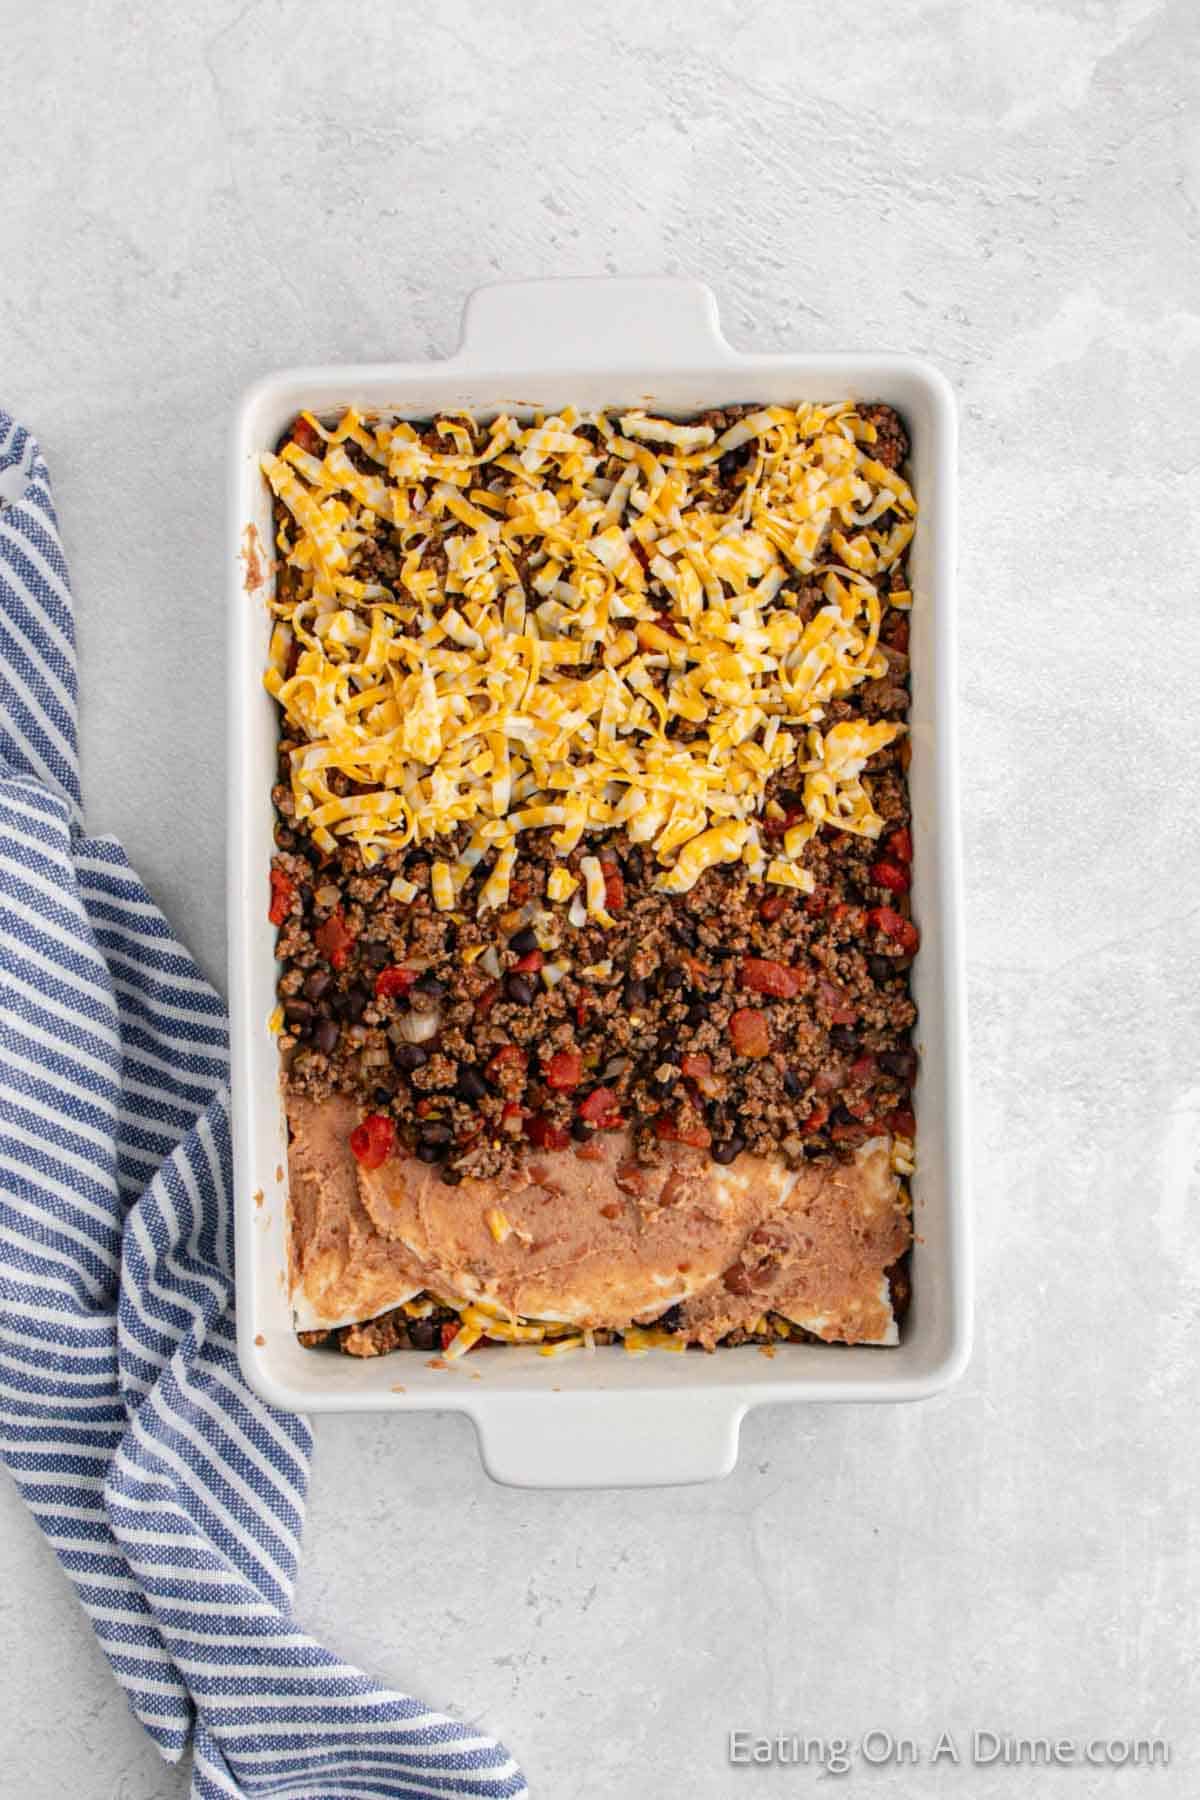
x=562 y=649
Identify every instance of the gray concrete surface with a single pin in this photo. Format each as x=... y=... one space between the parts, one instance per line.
x=189 y=195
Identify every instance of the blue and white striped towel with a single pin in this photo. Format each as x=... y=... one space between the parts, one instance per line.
x=172 y=1496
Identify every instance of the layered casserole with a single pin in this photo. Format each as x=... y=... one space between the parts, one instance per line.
x=591 y=877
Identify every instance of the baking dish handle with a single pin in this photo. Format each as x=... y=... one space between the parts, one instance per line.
x=592 y=324
x=601 y=1440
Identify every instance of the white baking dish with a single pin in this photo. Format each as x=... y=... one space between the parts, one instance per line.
x=606 y=1418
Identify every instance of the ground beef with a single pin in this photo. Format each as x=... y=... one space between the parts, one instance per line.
x=735 y=1017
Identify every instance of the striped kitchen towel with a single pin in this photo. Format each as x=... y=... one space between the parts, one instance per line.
x=172 y=1496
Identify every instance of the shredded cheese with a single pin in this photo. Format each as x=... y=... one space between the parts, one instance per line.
x=583 y=631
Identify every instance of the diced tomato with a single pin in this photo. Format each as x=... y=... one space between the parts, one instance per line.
x=308 y=439
x=777 y=828
x=614 y=885
x=545 y=1136
x=899 y=845
x=852 y=916
x=901 y=1123
x=762 y=976
x=698 y=1068
x=580 y=1014
x=864 y=1069
x=282 y=892
x=487 y=999
x=448 y=1333
x=599 y=1108
x=395 y=979
x=373 y=1141
x=428 y=1105
x=530 y=964
x=773 y=906
x=816 y=1118
x=564 y=1069
x=901 y=931
x=750 y=1033
x=508 y=1056
x=816 y=903
x=890 y=875
x=334 y=939
x=860 y=1105
x=698 y=1136
x=841 y=1012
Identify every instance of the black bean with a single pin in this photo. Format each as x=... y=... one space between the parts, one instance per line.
x=842 y=1115
x=430 y=1153
x=792 y=1083
x=673 y=977
x=350 y=1005
x=696 y=1013
x=519 y=989
x=524 y=942
x=470 y=1085
x=671 y=1320
x=636 y=993
x=423 y=1334
x=435 y=1131
x=728 y=1151
x=733 y=460
x=881 y=967
x=899 y=1062
x=317 y=984
x=383 y=1096
x=430 y=986
x=722 y=952
x=450 y=1175
x=297 y=1012
x=410 y=1056
x=581 y=1131
x=844 y=1037
x=326 y=1034
x=684 y=932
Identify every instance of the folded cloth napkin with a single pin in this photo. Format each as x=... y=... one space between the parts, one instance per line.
x=172 y=1496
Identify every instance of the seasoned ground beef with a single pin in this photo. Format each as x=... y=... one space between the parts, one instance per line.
x=737 y=1016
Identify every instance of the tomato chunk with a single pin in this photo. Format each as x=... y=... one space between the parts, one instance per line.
x=899 y=845
x=334 y=939
x=487 y=998
x=666 y=1128
x=509 y=1056
x=762 y=976
x=283 y=891
x=750 y=1033
x=395 y=979
x=448 y=1332
x=544 y=1135
x=530 y=964
x=901 y=1123
x=816 y=1118
x=307 y=438
x=773 y=907
x=600 y=1109
x=512 y=1118
x=901 y=931
x=890 y=875
x=614 y=885
x=373 y=1141
x=841 y=1011
x=564 y=1069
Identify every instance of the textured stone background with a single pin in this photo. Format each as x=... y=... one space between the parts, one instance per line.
x=191 y=195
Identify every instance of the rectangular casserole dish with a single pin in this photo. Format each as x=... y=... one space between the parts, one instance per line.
x=608 y=1418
